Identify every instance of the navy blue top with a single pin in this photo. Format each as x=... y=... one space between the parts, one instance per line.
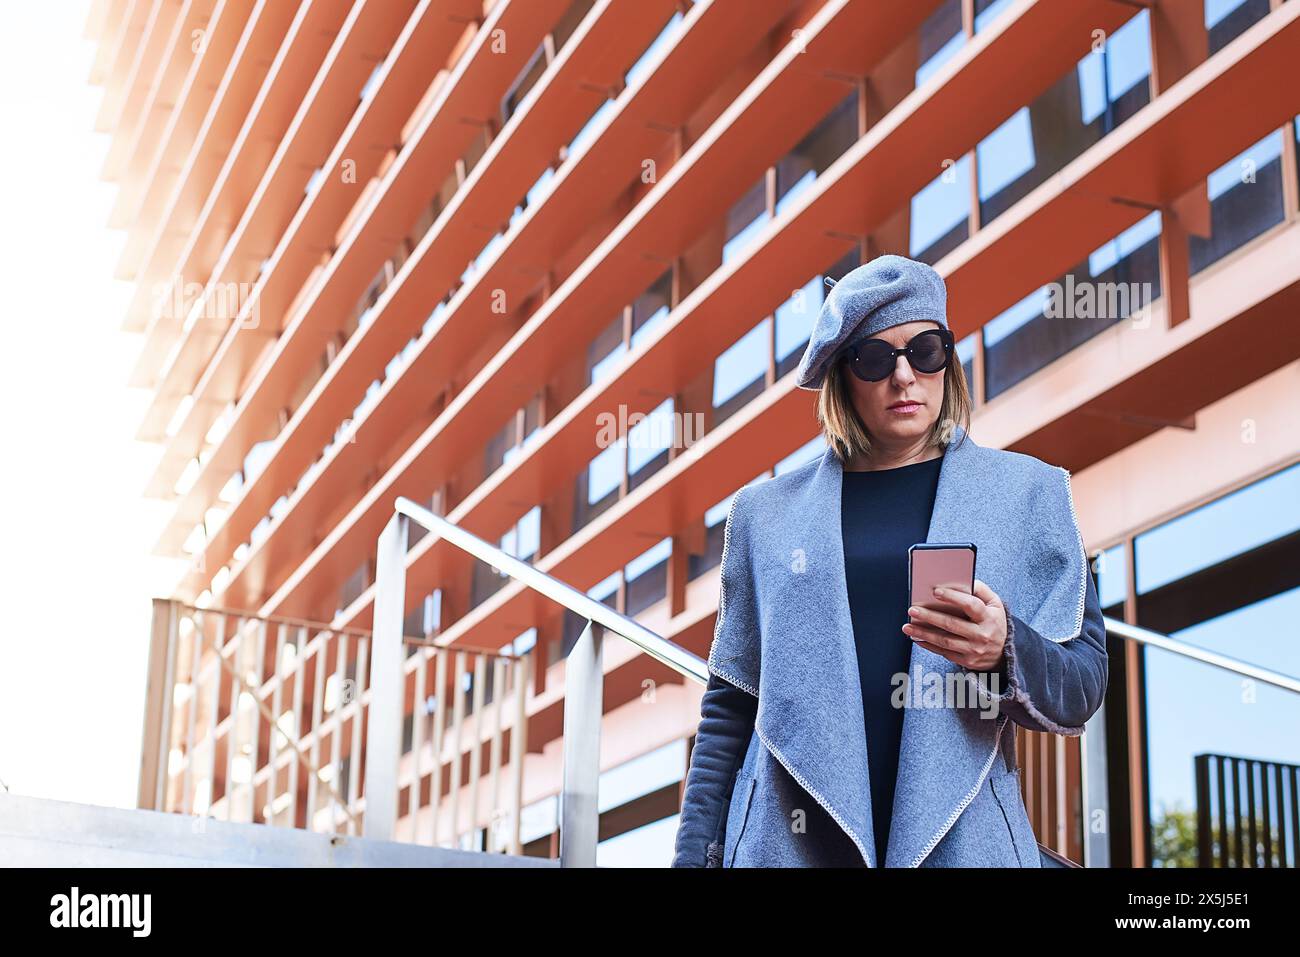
x=883 y=513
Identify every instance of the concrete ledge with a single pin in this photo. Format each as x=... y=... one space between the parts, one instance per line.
x=41 y=833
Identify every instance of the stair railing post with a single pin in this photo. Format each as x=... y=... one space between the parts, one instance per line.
x=1095 y=791
x=584 y=689
x=387 y=684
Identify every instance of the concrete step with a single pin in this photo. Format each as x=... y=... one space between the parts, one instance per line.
x=35 y=832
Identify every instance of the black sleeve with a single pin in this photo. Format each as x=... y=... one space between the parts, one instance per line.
x=727 y=717
x=1055 y=686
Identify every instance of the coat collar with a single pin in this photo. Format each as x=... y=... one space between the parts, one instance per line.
x=810 y=709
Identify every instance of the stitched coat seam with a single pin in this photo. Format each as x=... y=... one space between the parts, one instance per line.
x=722 y=603
x=803 y=783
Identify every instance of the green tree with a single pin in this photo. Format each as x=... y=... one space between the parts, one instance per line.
x=1173 y=837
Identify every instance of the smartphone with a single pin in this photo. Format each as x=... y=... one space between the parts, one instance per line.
x=930 y=565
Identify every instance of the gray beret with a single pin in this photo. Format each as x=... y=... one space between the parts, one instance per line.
x=887 y=291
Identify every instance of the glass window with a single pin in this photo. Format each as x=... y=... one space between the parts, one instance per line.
x=941 y=213
x=524 y=537
x=745 y=219
x=597 y=486
x=605 y=350
x=1193 y=709
x=1225 y=20
x=605 y=592
x=1006 y=154
x=526 y=80
x=257 y=458
x=815 y=448
x=642 y=775
x=741 y=370
x=1245 y=201
x=987 y=10
x=966 y=356
x=605 y=473
x=1103 y=90
x=649 y=441
x=1224 y=577
x=647 y=577
x=794 y=323
x=650 y=844
x=638 y=70
x=1117 y=279
x=1110 y=574
x=797 y=315
x=823 y=145
x=589 y=129
x=651 y=307
x=538 y=188
x=939 y=38
x=1239 y=522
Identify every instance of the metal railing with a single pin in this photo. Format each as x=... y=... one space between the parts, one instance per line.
x=259 y=720
x=1096 y=845
x=583 y=691
x=1243 y=810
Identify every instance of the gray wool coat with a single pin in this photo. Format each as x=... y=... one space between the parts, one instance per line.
x=785 y=782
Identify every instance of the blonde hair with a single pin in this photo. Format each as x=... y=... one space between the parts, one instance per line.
x=845 y=431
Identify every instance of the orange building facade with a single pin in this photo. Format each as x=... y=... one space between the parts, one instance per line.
x=544 y=267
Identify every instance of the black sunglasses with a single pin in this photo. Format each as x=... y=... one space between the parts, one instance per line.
x=873 y=359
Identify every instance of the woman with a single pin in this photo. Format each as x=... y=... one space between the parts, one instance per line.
x=834 y=730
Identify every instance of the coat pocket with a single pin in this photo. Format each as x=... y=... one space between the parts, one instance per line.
x=1006 y=788
x=746 y=789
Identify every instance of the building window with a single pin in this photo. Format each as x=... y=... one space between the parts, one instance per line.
x=1103 y=90
x=651 y=308
x=796 y=316
x=986 y=11
x=745 y=219
x=647 y=577
x=521 y=540
x=649 y=442
x=966 y=356
x=1224 y=577
x=739 y=374
x=1245 y=201
x=941 y=213
x=638 y=70
x=1225 y=20
x=526 y=80
x=508 y=444
x=605 y=592
x=823 y=145
x=939 y=39
x=1117 y=279
x=1110 y=575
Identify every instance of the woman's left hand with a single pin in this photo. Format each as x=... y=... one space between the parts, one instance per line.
x=976 y=641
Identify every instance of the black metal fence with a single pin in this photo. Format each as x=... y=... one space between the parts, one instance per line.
x=1247 y=813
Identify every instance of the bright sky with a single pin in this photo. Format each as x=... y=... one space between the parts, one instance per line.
x=76 y=576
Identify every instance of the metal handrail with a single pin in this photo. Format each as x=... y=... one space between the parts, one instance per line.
x=661 y=649
x=692 y=666
x=1155 y=639
x=1092 y=744
x=584 y=680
